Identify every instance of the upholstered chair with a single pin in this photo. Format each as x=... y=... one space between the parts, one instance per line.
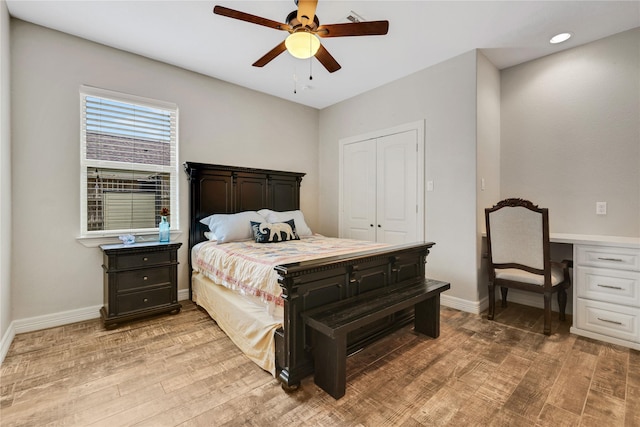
x=519 y=256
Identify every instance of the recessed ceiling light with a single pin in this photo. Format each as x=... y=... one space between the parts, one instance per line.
x=559 y=38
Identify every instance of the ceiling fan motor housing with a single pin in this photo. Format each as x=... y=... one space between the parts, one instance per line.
x=292 y=20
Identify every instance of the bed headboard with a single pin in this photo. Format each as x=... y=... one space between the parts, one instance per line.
x=232 y=189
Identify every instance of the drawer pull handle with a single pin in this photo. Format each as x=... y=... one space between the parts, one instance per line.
x=610 y=321
x=610 y=287
x=145 y=278
x=610 y=259
x=145 y=300
x=145 y=259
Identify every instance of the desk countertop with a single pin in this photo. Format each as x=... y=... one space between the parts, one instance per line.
x=587 y=239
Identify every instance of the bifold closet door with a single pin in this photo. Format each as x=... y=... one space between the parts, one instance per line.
x=359 y=190
x=379 y=189
x=396 y=188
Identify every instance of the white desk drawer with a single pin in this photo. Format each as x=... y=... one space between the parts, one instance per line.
x=608 y=257
x=609 y=319
x=617 y=286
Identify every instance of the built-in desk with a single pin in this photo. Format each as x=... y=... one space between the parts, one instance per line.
x=606 y=287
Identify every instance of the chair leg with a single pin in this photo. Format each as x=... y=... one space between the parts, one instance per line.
x=547 y=313
x=504 y=291
x=562 y=303
x=492 y=301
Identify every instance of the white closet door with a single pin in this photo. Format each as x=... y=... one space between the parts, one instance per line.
x=359 y=190
x=397 y=192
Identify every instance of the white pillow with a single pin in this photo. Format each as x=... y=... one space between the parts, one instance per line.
x=302 y=228
x=210 y=235
x=232 y=227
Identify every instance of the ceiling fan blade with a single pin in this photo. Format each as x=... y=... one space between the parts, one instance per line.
x=306 y=11
x=269 y=56
x=327 y=60
x=370 y=28
x=242 y=16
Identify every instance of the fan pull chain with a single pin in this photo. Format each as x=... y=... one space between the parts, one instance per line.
x=310 y=61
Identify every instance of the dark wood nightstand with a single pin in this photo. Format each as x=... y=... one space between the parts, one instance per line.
x=140 y=280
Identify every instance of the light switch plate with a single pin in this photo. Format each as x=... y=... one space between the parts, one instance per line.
x=601 y=208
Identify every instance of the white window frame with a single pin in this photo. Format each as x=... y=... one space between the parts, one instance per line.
x=85 y=163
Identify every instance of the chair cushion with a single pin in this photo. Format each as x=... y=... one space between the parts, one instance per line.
x=557 y=276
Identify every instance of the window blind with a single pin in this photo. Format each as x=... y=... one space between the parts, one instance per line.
x=129 y=162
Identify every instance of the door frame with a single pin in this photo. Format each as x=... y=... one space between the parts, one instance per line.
x=419 y=127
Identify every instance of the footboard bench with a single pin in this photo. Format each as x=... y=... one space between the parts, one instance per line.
x=331 y=324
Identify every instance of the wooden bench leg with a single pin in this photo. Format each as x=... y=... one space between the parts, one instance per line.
x=330 y=364
x=427 y=317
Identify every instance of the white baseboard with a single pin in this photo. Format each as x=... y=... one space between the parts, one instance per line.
x=183 y=294
x=56 y=319
x=535 y=300
x=475 y=307
x=7 y=339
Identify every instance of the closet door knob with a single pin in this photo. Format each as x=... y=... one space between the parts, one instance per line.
x=370 y=225
x=379 y=226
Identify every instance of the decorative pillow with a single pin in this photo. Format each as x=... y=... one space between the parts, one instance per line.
x=265 y=232
x=232 y=227
x=274 y=216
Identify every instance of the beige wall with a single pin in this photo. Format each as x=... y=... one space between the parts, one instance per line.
x=219 y=123
x=571 y=135
x=445 y=97
x=5 y=180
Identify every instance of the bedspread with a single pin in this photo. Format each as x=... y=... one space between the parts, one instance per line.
x=248 y=267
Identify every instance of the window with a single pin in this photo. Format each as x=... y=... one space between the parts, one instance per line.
x=129 y=164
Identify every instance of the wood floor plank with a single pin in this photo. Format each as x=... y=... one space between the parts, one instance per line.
x=632 y=406
x=610 y=376
x=570 y=390
x=602 y=409
x=554 y=416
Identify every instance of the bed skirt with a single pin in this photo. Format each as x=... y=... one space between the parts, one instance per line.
x=246 y=320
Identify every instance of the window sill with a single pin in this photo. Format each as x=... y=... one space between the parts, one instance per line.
x=95 y=241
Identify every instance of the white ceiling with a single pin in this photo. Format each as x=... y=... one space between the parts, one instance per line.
x=421 y=34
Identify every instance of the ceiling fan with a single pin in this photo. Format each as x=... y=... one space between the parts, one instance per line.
x=304 y=29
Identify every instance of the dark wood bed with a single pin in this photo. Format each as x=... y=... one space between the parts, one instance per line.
x=309 y=284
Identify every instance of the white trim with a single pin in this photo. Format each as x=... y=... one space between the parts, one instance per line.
x=6 y=341
x=95 y=241
x=419 y=127
x=120 y=96
x=475 y=307
x=534 y=299
x=183 y=294
x=605 y=338
x=45 y=321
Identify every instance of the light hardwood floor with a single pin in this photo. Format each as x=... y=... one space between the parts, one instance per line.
x=183 y=370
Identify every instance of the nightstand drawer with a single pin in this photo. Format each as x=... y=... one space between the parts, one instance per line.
x=606 y=257
x=133 y=279
x=136 y=301
x=143 y=259
x=609 y=319
x=616 y=286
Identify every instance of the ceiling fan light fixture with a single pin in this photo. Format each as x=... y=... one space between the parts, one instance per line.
x=302 y=45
